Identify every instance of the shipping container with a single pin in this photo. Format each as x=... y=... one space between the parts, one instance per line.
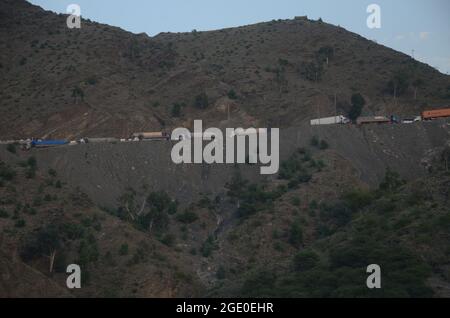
x=437 y=113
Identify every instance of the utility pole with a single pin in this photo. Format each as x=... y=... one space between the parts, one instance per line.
x=335 y=108
x=412 y=53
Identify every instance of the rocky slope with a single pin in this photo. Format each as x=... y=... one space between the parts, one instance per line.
x=102 y=81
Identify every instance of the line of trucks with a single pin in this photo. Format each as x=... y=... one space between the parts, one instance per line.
x=159 y=135
x=426 y=115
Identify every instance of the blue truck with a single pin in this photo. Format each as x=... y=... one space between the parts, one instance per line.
x=48 y=143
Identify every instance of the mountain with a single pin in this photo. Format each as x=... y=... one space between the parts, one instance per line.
x=102 y=81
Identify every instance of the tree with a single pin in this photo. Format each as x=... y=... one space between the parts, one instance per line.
x=305 y=260
x=232 y=94
x=445 y=157
x=201 y=101
x=418 y=83
x=77 y=92
x=176 y=110
x=391 y=181
x=45 y=243
x=358 y=103
x=399 y=83
x=295 y=234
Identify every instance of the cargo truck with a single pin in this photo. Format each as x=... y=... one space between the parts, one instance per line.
x=437 y=113
x=330 y=120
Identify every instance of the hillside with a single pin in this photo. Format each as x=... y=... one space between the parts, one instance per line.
x=226 y=231
x=102 y=81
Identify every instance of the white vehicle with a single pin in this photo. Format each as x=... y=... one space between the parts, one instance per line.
x=330 y=120
x=411 y=120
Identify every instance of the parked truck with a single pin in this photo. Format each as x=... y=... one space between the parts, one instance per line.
x=437 y=113
x=48 y=143
x=151 y=135
x=330 y=120
x=372 y=120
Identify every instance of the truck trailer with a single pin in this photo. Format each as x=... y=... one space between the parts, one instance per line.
x=48 y=143
x=437 y=113
x=151 y=135
x=373 y=120
x=330 y=120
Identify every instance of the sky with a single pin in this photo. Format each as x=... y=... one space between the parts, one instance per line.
x=420 y=28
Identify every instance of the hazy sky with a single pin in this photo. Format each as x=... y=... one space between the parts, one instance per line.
x=406 y=25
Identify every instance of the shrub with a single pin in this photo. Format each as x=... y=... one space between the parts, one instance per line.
x=6 y=172
x=176 y=110
x=305 y=260
x=3 y=214
x=52 y=172
x=323 y=145
x=168 y=239
x=232 y=94
x=187 y=217
x=314 y=141
x=391 y=182
x=123 y=250
x=358 y=199
x=208 y=247
x=295 y=234
x=11 y=148
x=201 y=101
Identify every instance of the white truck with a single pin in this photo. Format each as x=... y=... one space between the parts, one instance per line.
x=330 y=120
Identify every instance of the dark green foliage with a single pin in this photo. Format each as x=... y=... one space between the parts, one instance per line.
x=323 y=145
x=176 y=110
x=295 y=235
x=52 y=172
x=305 y=260
x=11 y=148
x=187 y=217
x=232 y=94
x=20 y=223
x=358 y=103
x=88 y=251
x=47 y=240
x=399 y=83
x=314 y=141
x=259 y=284
x=6 y=172
x=294 y=169
x=3 y=214
x=123 y=250
x=77 y=92
x=208 y=247
x=158 y=216
x=358 y=199
x=254 y=198
x=311 y=71
x=168 y=239
x=201 y=101
x=391 y=182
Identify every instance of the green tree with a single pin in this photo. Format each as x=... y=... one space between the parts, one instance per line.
x=201 y=101
x=391 y=182
x=358 y=103
x=305 y=260
x=176 y=110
